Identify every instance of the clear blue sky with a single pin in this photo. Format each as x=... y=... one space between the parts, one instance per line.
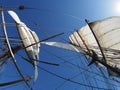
x=50 y=17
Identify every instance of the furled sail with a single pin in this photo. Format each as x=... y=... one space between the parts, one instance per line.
x=105 y=35
x=28 y=37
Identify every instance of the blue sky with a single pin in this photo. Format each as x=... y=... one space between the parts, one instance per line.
x=50 y=17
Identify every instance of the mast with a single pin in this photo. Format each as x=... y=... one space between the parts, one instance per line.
x=10 y=49
x=96 y=41
x=83 y=42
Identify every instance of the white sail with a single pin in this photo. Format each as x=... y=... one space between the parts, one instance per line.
x=107 y=32
x=28 y=37
x=63 y=46
x=14 y=16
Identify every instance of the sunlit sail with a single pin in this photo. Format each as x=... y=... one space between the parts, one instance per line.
x=103 y=40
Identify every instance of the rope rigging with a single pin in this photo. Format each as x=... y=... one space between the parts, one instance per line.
x=84 y=71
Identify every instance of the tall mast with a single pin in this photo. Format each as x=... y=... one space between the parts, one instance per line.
x=96 y=41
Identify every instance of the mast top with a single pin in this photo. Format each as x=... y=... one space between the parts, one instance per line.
x=21 y=7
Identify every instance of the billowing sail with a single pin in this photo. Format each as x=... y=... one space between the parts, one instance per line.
x=28 y=37
x=103 y=39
